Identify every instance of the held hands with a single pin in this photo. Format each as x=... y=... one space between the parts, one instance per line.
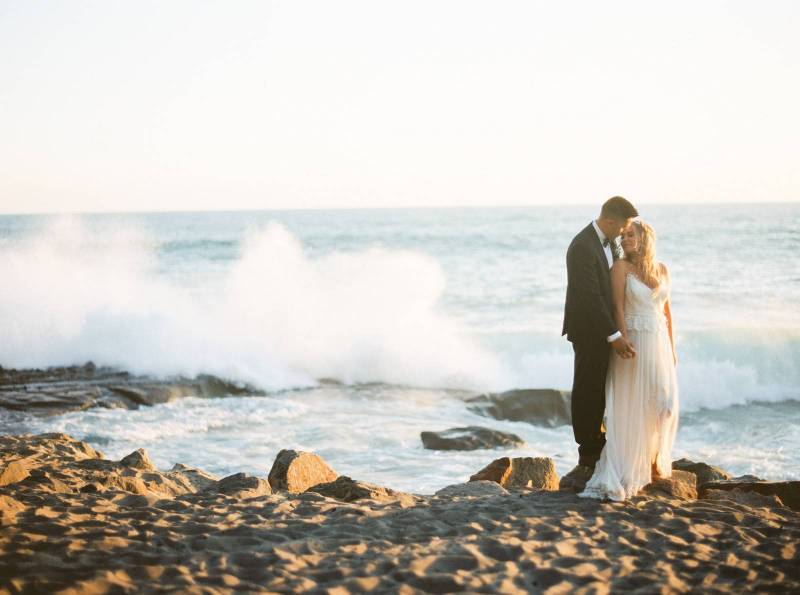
x=624 y=348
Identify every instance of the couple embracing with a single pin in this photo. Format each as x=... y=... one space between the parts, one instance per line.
x=617 y=317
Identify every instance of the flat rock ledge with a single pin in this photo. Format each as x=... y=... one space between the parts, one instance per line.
x=57 y=390
x=787 y=492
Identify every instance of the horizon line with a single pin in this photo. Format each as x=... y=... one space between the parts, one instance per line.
x=379 y=208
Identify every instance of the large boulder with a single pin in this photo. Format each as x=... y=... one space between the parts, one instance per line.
x=532 y=472
x=681 y=485
x=541 y=407
x=473 y=488
x=296 y=471
x=787 y=491
x=703 y=471
x=469 y=438
x=348 y=490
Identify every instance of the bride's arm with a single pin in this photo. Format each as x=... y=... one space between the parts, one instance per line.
x=668 y=314
x=618 y=271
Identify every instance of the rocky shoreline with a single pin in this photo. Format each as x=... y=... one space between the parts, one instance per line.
x=74 y=521
x=57 y=390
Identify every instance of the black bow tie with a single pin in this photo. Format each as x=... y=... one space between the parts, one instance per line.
x=606 y=243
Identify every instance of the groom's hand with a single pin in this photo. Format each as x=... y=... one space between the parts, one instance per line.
x=623 y=348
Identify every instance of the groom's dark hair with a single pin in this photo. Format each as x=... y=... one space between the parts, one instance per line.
x=620 y=208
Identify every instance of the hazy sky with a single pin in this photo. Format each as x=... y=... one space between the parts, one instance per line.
x=220 y=105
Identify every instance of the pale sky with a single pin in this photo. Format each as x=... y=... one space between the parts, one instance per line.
x=172 y=105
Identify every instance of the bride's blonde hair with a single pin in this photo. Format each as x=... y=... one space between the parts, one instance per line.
x=645 y=265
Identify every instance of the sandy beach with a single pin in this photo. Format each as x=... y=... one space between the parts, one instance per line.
x=75 y=522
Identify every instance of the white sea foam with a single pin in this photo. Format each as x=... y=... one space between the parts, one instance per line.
x=278 y=319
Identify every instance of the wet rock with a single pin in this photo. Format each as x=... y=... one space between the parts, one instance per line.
x=703 y=471
x=541 y=407
x=473 y=488
x=296 y=471
x=469 y=438
x=787 y=491
x=61 y=389
x=138 y=459
x=532 y=472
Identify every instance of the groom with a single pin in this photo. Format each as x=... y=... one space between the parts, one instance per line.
x=589 y=325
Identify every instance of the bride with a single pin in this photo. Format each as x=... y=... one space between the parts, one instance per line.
x=641 y=415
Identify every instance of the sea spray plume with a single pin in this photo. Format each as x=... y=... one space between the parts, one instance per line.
x=64 y=282
x=357 y=316
x=278 y=319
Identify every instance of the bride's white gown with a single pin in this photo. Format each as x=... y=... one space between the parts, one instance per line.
x=641 y=416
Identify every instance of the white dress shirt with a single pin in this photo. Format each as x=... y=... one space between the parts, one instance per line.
x=610 y=258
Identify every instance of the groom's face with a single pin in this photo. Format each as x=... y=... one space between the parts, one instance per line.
x=613 y=227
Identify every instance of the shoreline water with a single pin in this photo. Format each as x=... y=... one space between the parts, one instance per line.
x=219 y=426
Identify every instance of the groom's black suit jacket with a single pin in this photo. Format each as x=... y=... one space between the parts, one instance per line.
x=588 y=308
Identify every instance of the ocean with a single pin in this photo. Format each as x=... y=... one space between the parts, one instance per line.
x=409 y=310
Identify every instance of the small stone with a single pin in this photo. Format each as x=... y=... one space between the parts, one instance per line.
x=138 y=459
x=532 y=472
x=296 y=471
x=241 y=485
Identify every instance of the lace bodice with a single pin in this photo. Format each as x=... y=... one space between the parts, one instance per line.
x=644 y=307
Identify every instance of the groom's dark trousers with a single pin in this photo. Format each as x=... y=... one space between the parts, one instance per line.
x=587 y=324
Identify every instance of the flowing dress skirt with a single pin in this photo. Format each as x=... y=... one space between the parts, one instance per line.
x=641 y=415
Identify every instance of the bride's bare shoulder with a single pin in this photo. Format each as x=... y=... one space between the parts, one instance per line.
x=620 y=268
x=621 y=265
